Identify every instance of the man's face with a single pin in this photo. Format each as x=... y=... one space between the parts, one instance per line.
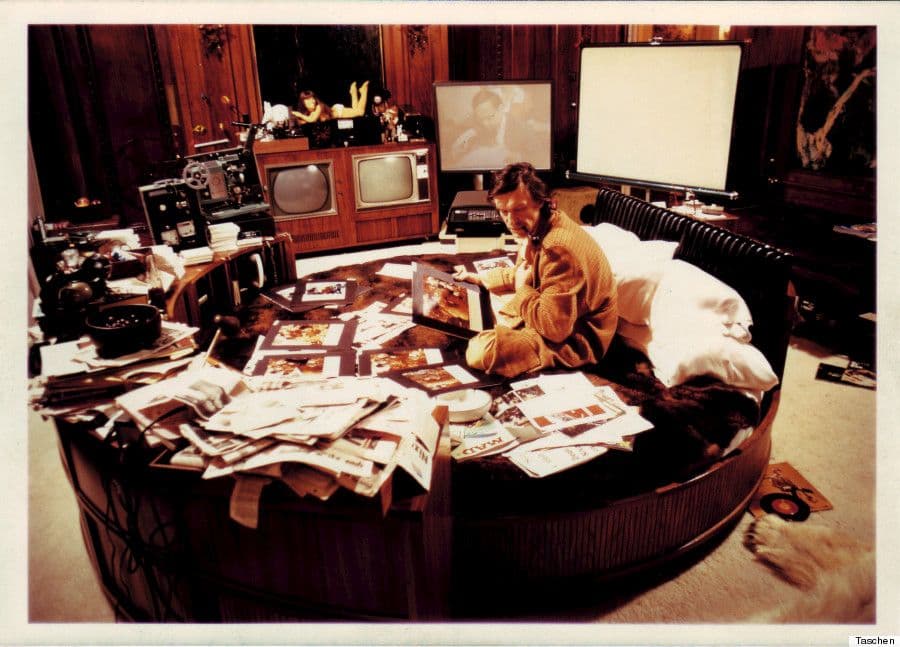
x=519 y=211
x=488 y=114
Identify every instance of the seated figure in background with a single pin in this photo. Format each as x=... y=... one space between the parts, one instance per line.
x=564 y=310
x=312 y=109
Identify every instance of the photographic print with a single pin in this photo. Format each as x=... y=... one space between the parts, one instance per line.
x=328 y=333
x=331 y=364
x=285 y=297
x=455 y=307
x=402 y=305
x=437 y=378
x=315 y=293
x=383 y=360
x=485 y=264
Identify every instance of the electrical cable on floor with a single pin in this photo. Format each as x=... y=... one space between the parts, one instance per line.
x=134 y=556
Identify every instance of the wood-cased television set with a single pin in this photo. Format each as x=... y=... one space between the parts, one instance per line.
x=334 y=198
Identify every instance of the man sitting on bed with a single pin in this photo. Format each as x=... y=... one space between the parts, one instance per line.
x=564 y=311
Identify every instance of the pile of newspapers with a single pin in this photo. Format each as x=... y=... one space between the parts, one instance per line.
x=317 y=435
x=550 y=423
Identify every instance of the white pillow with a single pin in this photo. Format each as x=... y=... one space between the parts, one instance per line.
x=687 y=296
x=735 y=363
x=678 y=355
x=637 y=267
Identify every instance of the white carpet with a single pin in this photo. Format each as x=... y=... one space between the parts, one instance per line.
x=827 y=431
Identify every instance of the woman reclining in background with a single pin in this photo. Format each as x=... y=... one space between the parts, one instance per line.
x=312 y=109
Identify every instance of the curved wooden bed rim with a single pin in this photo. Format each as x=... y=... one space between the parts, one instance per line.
x=330 y=561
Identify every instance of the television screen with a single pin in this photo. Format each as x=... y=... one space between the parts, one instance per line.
x=658 y=115
x=385 y=179
x=304 y=190
x=485 y=126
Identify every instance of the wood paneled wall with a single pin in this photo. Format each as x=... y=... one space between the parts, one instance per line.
x=415 y=56
x=209 y=86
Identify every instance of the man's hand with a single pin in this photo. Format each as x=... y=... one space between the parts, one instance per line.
x=523 y=274
x=470 y=277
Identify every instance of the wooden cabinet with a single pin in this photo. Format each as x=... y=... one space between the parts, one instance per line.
x=333 y=198
x=229 y=281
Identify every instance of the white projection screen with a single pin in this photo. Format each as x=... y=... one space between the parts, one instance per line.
x=658 y=115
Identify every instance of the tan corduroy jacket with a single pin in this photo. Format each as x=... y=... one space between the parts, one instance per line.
x=569 y=298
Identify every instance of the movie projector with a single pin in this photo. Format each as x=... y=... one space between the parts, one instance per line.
x=215 y=187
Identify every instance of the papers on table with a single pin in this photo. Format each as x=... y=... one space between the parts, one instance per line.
x=82 y=355
x=484 y=437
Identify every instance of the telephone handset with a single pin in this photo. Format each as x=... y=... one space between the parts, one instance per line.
x=543 y=225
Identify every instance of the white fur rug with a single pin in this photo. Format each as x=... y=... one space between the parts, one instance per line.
x=834 y=572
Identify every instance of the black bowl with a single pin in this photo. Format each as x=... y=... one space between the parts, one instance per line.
x=118 y=330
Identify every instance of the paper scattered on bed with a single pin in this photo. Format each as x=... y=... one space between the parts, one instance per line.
x=317 y=436
x=551 y=423
x=375 y=328
x=483 y=437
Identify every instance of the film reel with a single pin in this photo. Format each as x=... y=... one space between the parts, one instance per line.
x=196 y=176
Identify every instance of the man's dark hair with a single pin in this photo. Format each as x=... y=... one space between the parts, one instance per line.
x=486 y=95
x=509 y=177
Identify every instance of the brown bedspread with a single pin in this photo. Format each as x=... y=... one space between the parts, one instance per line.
x=692 y=422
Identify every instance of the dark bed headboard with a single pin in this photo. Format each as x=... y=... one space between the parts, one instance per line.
x=759 y=272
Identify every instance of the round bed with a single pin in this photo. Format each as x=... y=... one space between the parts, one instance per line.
x=165 y=548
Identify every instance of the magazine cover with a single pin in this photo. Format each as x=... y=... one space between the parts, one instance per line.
x=785 y=492
x=455 y=307
x=855 y=374
x=296 y=335
x=377 y=361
